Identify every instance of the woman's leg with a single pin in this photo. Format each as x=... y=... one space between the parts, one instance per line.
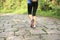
x=29 y=11
x=35 y=6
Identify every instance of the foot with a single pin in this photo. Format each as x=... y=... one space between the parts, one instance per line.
x=34 y=26
x=32 y=23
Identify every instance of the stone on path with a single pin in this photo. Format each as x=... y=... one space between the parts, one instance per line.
x=17 y=27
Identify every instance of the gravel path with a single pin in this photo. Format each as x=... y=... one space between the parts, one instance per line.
x=17 y=27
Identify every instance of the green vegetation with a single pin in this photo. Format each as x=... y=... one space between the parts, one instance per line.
x=13 y=6
x=50 y=8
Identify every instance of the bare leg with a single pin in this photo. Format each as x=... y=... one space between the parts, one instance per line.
x=35 y=20
x=30 y=16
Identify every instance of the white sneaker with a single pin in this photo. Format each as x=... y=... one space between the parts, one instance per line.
x=34 y=26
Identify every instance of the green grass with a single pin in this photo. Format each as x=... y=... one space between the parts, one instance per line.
x=39 y=12
x=47 y=14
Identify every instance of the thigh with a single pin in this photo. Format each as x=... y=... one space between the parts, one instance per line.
x=35 y=6
x=29 y=8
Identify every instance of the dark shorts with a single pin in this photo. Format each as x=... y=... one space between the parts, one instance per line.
x=32 y=8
